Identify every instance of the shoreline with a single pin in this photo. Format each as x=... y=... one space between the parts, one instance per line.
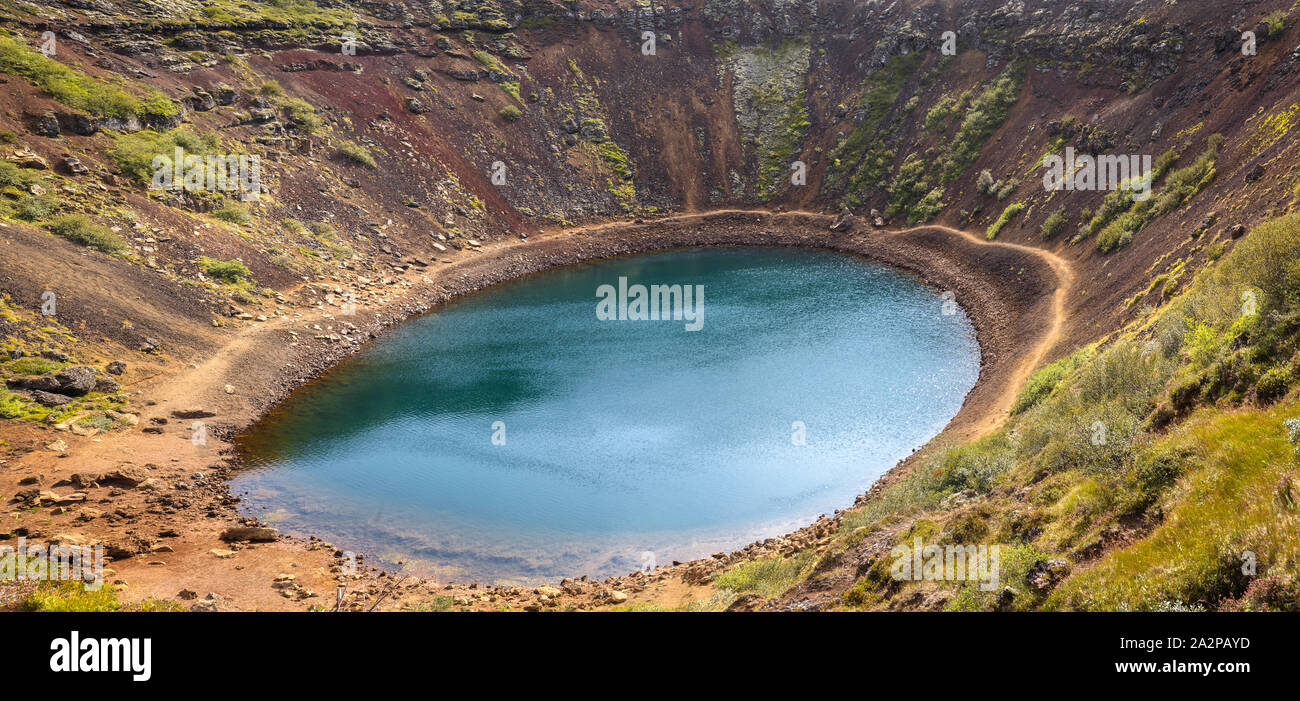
x=1011 y=294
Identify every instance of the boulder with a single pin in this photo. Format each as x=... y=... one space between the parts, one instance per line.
x=253 y=533
x=116 y=367
x=78 y=123
x=47 y=125
x=49 y=399
x=126 y=475
x=76 y=381
x=107 y=385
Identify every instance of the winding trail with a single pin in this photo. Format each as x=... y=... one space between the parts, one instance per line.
x=1065 y=282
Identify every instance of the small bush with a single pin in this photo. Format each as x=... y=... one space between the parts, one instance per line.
x=357 y=154
x=510 y=113
x=302 y=115
x=1053 y=224
x=35 y=207
x=231 y=271
x=232 y=212
x=1008 y=214
x=1272 y=384
x=78 y=228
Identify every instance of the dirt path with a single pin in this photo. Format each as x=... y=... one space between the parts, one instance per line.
x=1066 y=278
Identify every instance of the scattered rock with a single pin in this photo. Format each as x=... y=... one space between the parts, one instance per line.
x=253 y=533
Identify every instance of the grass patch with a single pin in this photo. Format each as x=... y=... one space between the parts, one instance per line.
x=78 y=228
x=134 y=153
x=1011 y=211
x=357 y=153
x=77 y=90
x=233 y=213
x=768 y=577
x=229 y=271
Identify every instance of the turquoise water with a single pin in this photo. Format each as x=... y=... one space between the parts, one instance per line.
x=513 y=436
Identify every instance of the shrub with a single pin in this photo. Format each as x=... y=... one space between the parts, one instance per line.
x=230 y=271
x=1007 y=215
x=1053 y=224
x=510 y=113
x=232 y=212
x=1272 y=384
x=357 y=154
x=986 y=113
x=1276 y=22
x=36 y=207
x=12 y=176
x=936 y=120
x=302 y=115
x=78 y=228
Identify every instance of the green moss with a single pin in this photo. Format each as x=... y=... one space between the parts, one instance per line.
x=77 y=90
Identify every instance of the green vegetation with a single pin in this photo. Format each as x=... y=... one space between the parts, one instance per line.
x=134 y=153
x=65 y=596
x=74 y=597
x=78 y=228
x=1121 y=216
x=77 y=90
x=233 y=213
x=1276 y=22
x=1005 y=218
x=510 y=113
x=228 y=271
x=301 y=115
x=985 y=114
x=1054 y=224
x=767 y=577
x=862 y=161
x=937 y=118
x=1165 y=430
x=357 y=153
